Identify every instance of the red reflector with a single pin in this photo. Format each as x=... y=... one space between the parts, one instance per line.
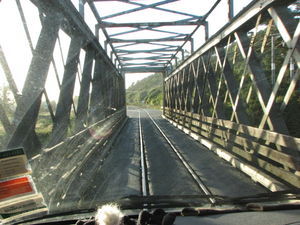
x=15 y=187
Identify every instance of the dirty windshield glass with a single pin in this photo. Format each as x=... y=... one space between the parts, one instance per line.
x=147 y=104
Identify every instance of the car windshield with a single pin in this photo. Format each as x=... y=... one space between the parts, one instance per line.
x=147 y=104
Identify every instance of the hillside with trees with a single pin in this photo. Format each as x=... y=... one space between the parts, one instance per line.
x=146 y=92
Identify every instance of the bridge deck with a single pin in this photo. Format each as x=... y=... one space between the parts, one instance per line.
x=119 y=175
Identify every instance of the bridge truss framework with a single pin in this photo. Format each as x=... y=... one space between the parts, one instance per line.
x=210 y=93
x=204 y=95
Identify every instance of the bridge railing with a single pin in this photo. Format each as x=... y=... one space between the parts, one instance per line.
x=240 y=93
x=69 y=82
x=57 y=168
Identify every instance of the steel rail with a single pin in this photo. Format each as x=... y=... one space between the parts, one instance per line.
x=196 y=178
x=144 y=177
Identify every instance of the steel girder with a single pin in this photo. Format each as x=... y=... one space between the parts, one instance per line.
x=223 y=92
x=106 y=83
x=179 y=39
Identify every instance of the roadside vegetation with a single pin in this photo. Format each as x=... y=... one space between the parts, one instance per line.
x=44 y=122
x=147 y=92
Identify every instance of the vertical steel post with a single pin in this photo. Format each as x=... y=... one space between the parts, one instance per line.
x=105 y=46
x=96 y=103
x=111 y=55
x=83 y=100
x=206 y=27
x=81 y=7
x=164 y=91
x=192 y=45
x=63 y=110
x=272 y=61
x=124 y=92
x=230 y=9
x=105 y=89
x=97 y=29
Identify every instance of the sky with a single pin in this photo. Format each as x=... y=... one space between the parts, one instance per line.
x=17 y=50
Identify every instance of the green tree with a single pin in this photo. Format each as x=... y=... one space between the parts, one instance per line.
x=147 y=91
x=7 y=100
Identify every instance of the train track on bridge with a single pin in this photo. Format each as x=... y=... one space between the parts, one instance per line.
x=150 y=159
x=190 y=172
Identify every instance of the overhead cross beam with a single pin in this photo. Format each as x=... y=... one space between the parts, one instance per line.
x=138 y=8
x=145 y=51
x=148 y=64
x=167 y=10
x=191 y=20
x=172 y=39
x=146 y=28
x=96 y=14
x=143 y=69
x=151 y=24
x=143 y=58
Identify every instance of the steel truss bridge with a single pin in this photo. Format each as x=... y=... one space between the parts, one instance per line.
x=208 y=92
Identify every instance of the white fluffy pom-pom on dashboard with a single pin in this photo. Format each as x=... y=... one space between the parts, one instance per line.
x=109 y=214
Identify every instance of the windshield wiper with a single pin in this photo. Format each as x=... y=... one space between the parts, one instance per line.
x=164 y=201
x=263 y=197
